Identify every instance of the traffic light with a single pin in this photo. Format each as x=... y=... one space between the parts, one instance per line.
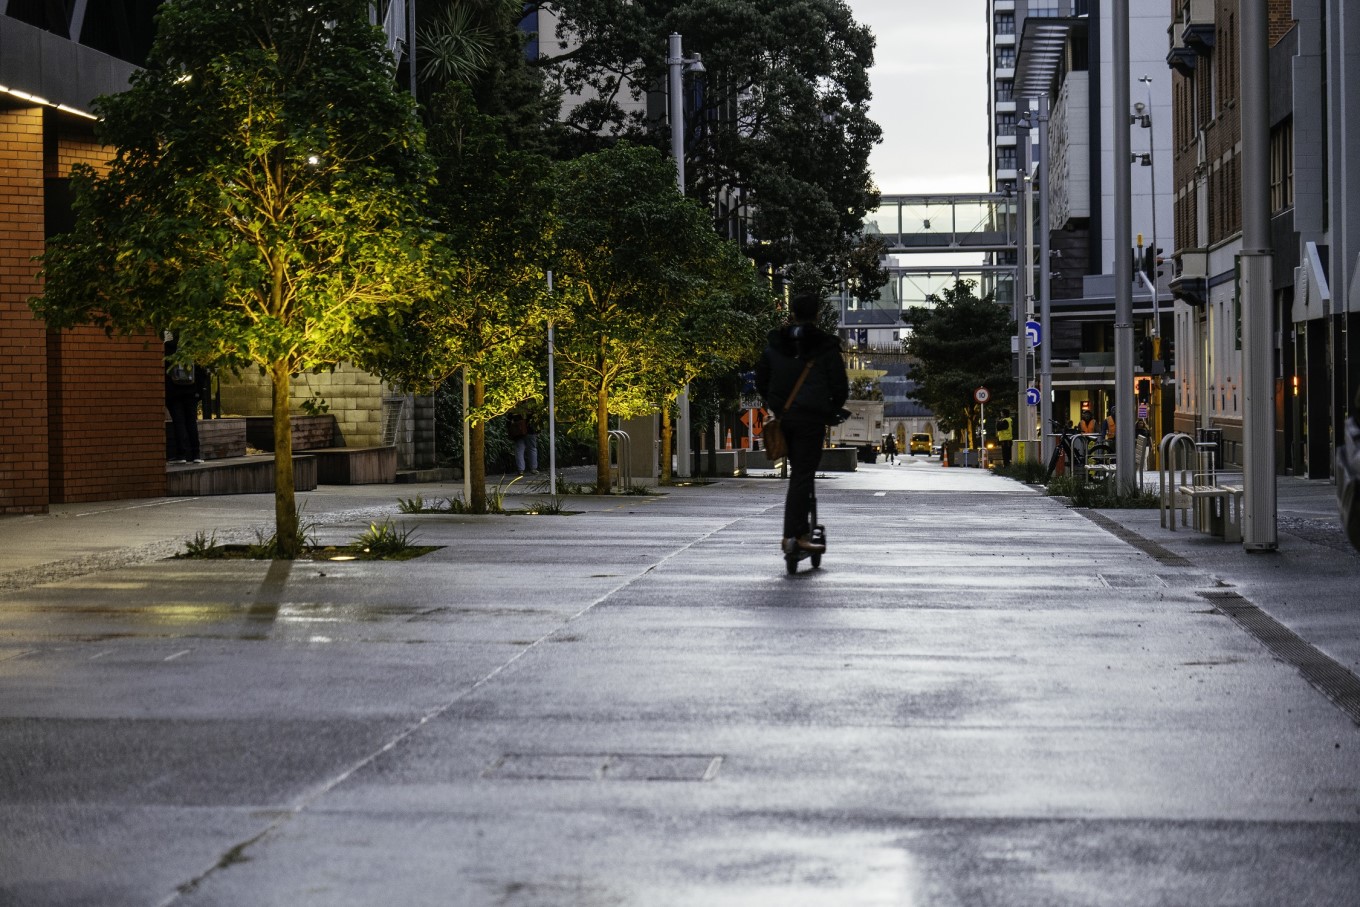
x=1152 y=262
x=1144 y=390
x=1145 y=356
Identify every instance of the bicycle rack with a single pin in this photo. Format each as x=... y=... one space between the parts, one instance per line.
x=620 y=458
x=1177 y=455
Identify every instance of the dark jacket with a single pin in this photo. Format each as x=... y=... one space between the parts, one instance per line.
x=826 y=388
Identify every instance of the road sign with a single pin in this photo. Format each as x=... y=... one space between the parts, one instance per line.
x=1034 y=331
x=1032 y=396
x=982 y=395
x=1142 y=410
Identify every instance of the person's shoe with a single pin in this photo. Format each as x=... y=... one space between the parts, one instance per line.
x=197 y=460
x=805 y=543
x=174 y=462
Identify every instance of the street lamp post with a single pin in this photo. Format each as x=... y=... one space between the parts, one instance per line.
x=1123 y=235
x=677 y=64
x=1024 y=273
x=1045 y=293
x=1144 y=118
x=1259 y=523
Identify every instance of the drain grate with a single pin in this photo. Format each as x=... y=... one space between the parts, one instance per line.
x=604 y=767
x=1131 y=580
x=1159 y=553
x=1327 y=676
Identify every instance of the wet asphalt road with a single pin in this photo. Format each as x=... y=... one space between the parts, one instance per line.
x=983 y=698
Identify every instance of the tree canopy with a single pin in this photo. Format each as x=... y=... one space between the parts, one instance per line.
x=960 y=344
x=634 y=260
x=264 y=203
x=779 y=132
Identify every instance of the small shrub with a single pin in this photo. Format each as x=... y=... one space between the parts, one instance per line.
x=411 y=505
x=549 y=506
x=384 y=539
x=202 y=545
x=638 y=490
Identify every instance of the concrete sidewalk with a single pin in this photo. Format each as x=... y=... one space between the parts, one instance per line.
x=983 y=698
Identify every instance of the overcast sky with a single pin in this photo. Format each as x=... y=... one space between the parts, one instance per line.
x=930 y=94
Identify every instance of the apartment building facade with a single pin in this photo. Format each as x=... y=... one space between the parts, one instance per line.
x=1315 y=222
x=1064 y=65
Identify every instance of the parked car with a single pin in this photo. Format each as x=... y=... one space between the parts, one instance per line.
x=921 y=443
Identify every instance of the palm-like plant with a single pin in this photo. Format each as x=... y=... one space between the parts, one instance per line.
x=460 y=42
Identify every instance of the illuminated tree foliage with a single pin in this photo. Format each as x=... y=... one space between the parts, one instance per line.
x=642 y=279
x=264 y=202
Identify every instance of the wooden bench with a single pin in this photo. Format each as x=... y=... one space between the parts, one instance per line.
x=355 y=465
x=235 y=475
x=1218 y=509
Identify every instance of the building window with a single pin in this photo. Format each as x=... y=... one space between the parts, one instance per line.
x=1004 y=23
x=1005 y=124
x=1005 y=90
x=1005 y=58
x=1005 y=158
x=1044 y=12
x=1282 y=167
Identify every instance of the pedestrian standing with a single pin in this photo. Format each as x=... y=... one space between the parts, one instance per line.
x=1005 y=434
x=181 y=399
x=801 y=376
x=890 y=449
x=524 y=433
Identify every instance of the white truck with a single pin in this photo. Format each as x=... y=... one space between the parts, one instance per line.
x=865 y=425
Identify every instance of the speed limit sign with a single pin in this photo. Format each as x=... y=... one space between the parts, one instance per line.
x=982 y=395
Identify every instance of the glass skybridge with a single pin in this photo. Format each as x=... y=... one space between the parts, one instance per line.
x=945 y=223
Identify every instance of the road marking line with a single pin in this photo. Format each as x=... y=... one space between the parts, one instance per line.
x=178 y=654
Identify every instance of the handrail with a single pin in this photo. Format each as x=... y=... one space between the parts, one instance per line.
x=1171 y=450
x=620 y=451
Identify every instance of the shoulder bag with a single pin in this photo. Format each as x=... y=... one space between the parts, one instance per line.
x=776 y=447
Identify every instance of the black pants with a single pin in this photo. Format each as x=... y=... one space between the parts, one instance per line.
x=805 y=454
x=184 y=426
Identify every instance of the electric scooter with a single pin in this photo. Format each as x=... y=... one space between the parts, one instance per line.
x=791 y=558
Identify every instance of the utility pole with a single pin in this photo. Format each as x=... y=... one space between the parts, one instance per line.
x=1123 y=267
x=675 y=65
x=1259 y=530
x=1024 y=271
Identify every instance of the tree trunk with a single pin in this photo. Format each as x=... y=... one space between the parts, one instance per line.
x=666 y=441
x=477 y=451
x=602 y=481
x=286 y=534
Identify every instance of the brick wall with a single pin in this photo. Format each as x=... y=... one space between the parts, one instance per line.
x=23 y=371
x=1281 y=19
x=106 y=415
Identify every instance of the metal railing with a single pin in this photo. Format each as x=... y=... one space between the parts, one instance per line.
x=1179 y=459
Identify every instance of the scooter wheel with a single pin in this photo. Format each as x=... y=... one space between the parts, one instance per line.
x=791 y=563
x=816 y=561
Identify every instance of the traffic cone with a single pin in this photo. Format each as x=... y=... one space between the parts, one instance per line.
x=728 y=445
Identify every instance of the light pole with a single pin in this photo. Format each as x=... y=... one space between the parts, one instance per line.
x=1045 y=293
x=1259 y=529
x=1024 y=273
x=677 y=64
x=1143 y=115
x=1123 y=267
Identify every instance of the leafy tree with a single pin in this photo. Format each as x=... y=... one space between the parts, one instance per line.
x=959 y=345
x=781 y=134
x=722 y=328
x=263 y=202
x=629 y=254
x=487 y=317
